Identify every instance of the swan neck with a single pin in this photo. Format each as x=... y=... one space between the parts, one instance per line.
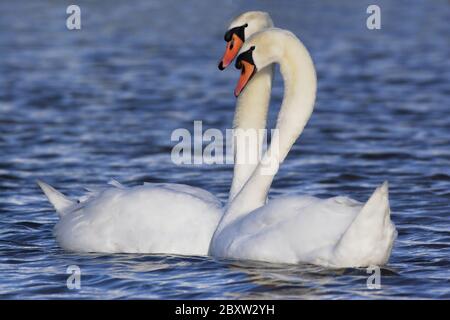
x=248 y=127
x=300 y=86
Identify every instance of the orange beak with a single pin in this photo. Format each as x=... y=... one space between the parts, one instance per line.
x=248 y=70
x=231 y=51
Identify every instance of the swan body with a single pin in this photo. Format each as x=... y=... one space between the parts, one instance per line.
x=151 y=218
x=336 y=232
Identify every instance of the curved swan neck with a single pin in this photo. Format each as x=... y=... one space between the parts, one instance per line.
x=249 y=122
x=300 y=86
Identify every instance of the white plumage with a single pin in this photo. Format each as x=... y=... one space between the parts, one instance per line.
x=151 y=218
x=335 y=232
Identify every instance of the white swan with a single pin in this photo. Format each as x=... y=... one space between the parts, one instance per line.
x=336 y=232
x=154 y=218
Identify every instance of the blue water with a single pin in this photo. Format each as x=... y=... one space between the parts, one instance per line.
x=78 y=108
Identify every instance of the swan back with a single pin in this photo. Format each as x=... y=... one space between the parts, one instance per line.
x=335 y=232
x=151 y=218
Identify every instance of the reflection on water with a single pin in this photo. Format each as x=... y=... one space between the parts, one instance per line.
x=79 y=108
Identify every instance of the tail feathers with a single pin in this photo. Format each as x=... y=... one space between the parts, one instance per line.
x=370 y=237
x=59 y=201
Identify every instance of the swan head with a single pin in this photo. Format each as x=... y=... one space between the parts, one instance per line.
x=259 y=51
x=241 y=28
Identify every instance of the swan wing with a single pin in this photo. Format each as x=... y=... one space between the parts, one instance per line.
x=289 y=230
x=335 y=232
x=369 y=238
x=155 y=218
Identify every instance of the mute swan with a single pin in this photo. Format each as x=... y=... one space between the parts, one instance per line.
x=251 y=109
x=335 y=232
x=158 y=218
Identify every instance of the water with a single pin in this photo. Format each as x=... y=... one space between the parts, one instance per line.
x=78 y=108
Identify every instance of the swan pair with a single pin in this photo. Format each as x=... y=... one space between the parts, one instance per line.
x=179 y=219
